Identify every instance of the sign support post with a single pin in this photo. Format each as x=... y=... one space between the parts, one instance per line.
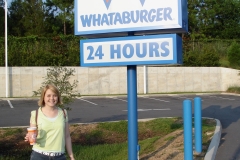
x=132 y=112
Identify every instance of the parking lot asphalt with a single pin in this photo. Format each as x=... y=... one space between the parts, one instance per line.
x=222 y=107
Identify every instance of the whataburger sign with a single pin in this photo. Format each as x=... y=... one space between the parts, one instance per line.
x=139 y=17
x=115 y=16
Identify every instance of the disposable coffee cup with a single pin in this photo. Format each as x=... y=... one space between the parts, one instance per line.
x=32 y=132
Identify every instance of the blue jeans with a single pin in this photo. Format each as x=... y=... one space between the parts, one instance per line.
x=38 y=156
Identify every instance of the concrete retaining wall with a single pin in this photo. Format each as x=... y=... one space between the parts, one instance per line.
x=113 y=80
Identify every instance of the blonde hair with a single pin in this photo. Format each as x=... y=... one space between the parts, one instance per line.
x=54 y=89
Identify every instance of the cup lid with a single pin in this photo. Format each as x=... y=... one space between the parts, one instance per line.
x=31 y=128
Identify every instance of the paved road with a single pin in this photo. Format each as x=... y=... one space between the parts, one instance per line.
x=226 y=108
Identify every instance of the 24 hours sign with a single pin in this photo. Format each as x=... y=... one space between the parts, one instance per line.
x=131 y=50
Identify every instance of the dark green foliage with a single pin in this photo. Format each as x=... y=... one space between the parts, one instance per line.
x=65 y=14
x=191 y=59
x=234 y=54
x=204 y=59
x=2 y=19
x=41 y=51
x=33 y=18
x=214 y=19
x=60 y=77
x=207 y=19
x=26 y=18
x=15 y=24
x=65 y=51
x=234 y=89
x=2 y=52
x=209 y=58
x=40 y=18
x=204 y=55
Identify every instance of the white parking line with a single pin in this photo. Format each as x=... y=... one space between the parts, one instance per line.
x=118 y=99
x=223 y=98
x=185 y=97
x=156 y=99
x=10 y=104
x=87 y=101
x=161 y=109
x=175 y=96
x=142 y=110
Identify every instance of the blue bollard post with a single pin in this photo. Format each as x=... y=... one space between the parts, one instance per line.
x=187 y=129
x=198 y=124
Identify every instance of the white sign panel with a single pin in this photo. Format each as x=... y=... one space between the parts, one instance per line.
x=108 y=16
x=132 y=50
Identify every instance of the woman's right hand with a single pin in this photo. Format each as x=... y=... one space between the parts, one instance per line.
x=26 y=138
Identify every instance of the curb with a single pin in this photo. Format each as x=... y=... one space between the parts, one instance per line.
x=212 y=149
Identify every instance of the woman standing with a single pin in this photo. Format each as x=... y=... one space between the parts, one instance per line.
x=52 y=127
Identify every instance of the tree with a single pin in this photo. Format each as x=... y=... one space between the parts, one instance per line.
x=2 y=18
x=16 y=13
x=228 y=19
x=33 y=19
x=60 y=77
x=214 y=19
x=52 y=23
x=64 y=12
x=234 y=54
x=27 y=18
x=194 y=21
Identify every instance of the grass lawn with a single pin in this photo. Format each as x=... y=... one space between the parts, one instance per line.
x=108 y=141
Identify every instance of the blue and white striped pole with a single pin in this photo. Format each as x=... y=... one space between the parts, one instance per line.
x=187 y=129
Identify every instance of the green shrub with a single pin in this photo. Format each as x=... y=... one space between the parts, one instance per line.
x=65 y=51
x=234 y=54
x=191 y=59
x=41 y=51
x=209 y=58
x=234 y=89
x=60 y=77
x=206 y=56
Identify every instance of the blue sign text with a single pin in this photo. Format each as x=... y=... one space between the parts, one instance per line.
x=126 y=17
